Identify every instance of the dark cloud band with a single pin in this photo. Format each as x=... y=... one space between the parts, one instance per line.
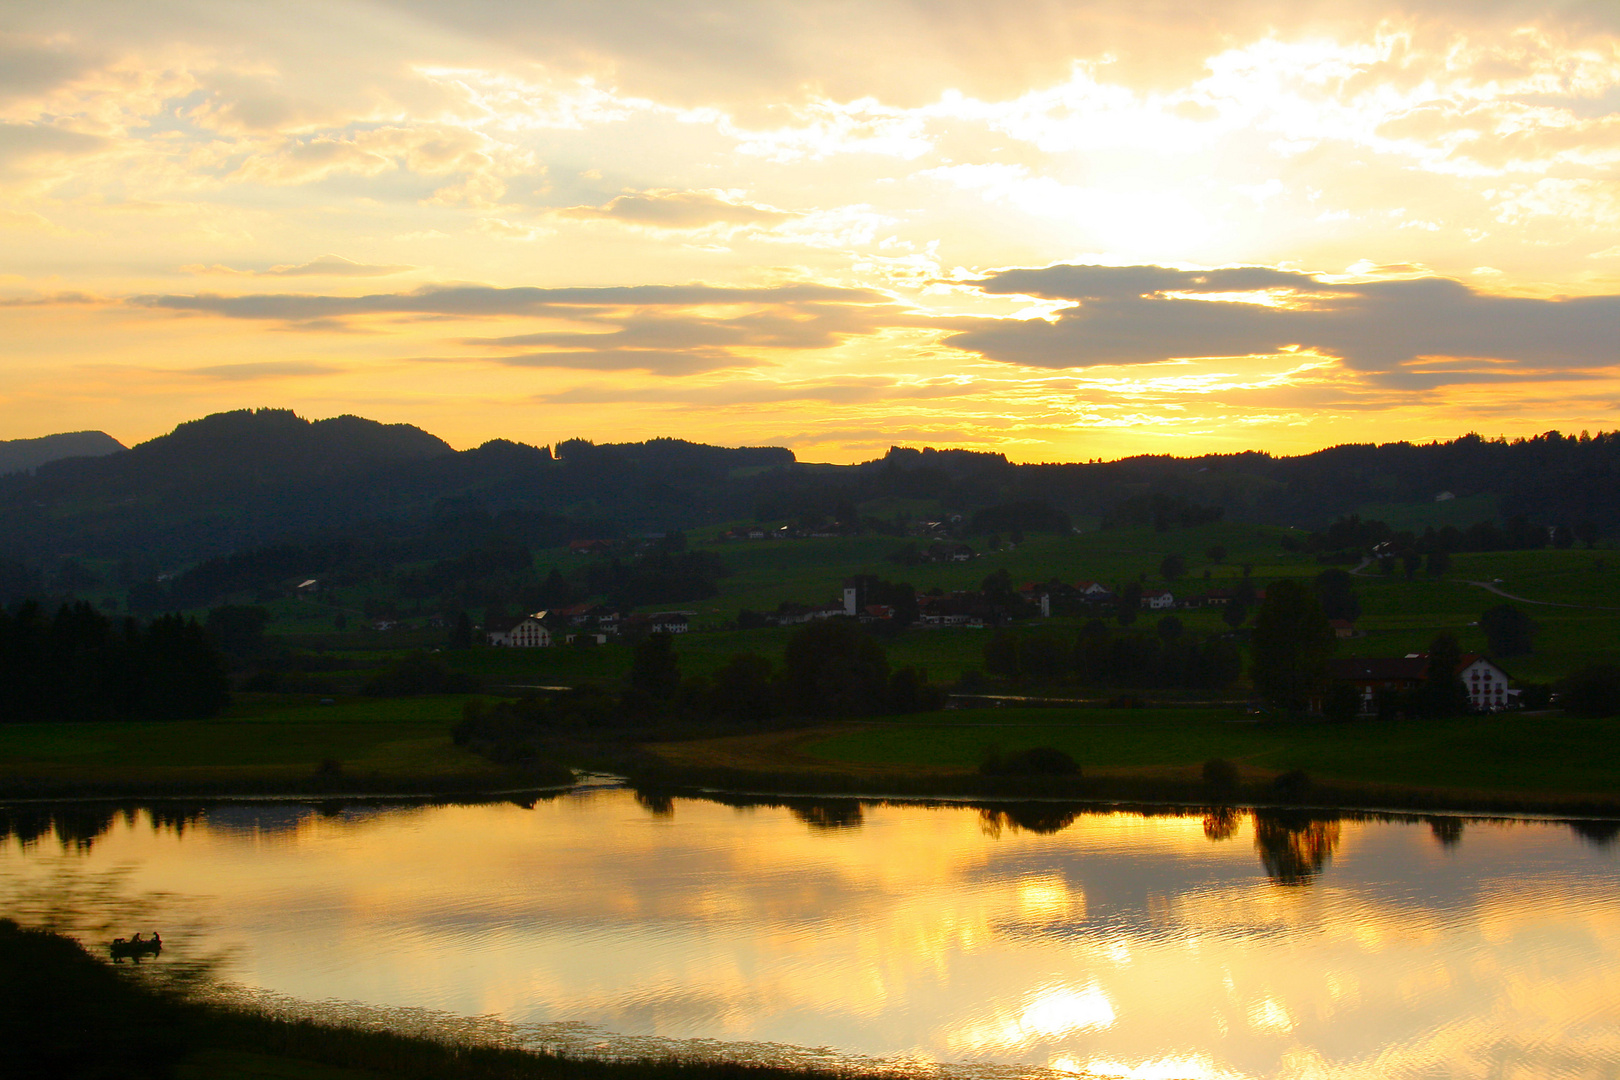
x=1148 y=314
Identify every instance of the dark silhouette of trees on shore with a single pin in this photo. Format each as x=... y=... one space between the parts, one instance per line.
x=79 y=665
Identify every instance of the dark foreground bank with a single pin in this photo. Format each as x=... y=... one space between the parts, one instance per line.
x=64 y=1014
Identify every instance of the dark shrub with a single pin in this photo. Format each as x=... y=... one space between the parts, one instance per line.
x=1036 y=761
x=1291 y=785
x=419 y=673
x=1594 y=690
x=1220 y=775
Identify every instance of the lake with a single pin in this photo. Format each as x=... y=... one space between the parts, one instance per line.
x=1153 y=946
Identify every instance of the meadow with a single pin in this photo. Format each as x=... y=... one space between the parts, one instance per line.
x=1531 y=754
x=261 y=742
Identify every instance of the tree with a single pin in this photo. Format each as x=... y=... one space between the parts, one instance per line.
x=1443 y=693
x=1172 y=567
x=238 y=629
x=1291 y=644
x=1001 y=655
x=744 y=689
x=655 y=670
x=1042 y=655
x=1336 y=590
x=1593 y=690
x=832 y=668
x=1129 y=603
x=1215 y=553
x=1508 y=631
x=461 y=634
x=1439 y=563
x=1234 y=614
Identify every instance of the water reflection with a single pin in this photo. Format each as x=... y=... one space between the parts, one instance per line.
x=1039 y=818
x=1165 y=943
x=1294 y=845
x=1447 y=830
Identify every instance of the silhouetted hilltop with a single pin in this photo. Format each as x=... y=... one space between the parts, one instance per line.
x=246 y=448
x=238 y=480
x=21 y=455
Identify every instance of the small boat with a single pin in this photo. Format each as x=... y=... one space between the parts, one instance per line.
x=134 y=948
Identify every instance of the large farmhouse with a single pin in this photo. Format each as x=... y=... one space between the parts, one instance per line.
x=525 y=633
x=1371 y=675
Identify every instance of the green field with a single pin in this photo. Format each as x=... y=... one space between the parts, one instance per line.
x=258 y=741
x=1540 y=754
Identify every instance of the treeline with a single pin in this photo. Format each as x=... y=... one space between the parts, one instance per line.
x=80 y=665
x=830 y=668
x=1165 y=659
x=1350 y=537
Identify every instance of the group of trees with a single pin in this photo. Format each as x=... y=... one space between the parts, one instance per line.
x=1350 y=536
x=1167 y=658
x=80 y=665
x=830 y=668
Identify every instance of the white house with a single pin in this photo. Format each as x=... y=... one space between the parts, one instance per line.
x=526 y=633
x=1486 y=683
x=1158 y=599
x=670 y=622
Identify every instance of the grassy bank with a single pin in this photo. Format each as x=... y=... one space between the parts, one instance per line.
x=264 y=744
x=1508 y=762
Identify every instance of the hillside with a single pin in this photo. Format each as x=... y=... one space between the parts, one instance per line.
x=22 y=455
x=233 y=481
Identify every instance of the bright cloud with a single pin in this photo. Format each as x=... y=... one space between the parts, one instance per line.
x=902 y=213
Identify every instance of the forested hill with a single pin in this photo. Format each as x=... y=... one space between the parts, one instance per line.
x=236 y=480
x=20 y=455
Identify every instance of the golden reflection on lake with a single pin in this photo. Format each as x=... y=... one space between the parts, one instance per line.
x=1210 y=946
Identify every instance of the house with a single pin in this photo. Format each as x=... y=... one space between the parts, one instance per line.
x=1158 y=599
x=591 y=547
x=525 y=633
x=1485 y=682
x=948 y=553
x=1342 y=628
x=1373 y=675
x=670 y=622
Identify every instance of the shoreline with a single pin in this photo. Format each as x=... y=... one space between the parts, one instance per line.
x=1122 y=793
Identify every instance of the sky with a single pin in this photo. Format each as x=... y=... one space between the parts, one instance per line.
x=1056 y=230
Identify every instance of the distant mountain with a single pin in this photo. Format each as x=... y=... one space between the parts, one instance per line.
x=235 y=481
x=23 y=455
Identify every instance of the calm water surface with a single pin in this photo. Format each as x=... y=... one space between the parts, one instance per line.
x=1114 y=944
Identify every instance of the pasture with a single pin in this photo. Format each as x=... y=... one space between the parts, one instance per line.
x=1510 y=752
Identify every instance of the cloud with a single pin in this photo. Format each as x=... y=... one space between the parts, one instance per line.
x=667 y=329
x=1148 y=314
x=665 y=209
x=20 y=143
x=26 y=69
x=485 y=300
x=325 y=266
x=267 y=369
x=850 y=391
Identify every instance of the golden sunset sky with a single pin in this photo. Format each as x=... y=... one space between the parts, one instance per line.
x=1062 y=231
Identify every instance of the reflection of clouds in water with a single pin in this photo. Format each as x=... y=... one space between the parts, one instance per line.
x=921 y=930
